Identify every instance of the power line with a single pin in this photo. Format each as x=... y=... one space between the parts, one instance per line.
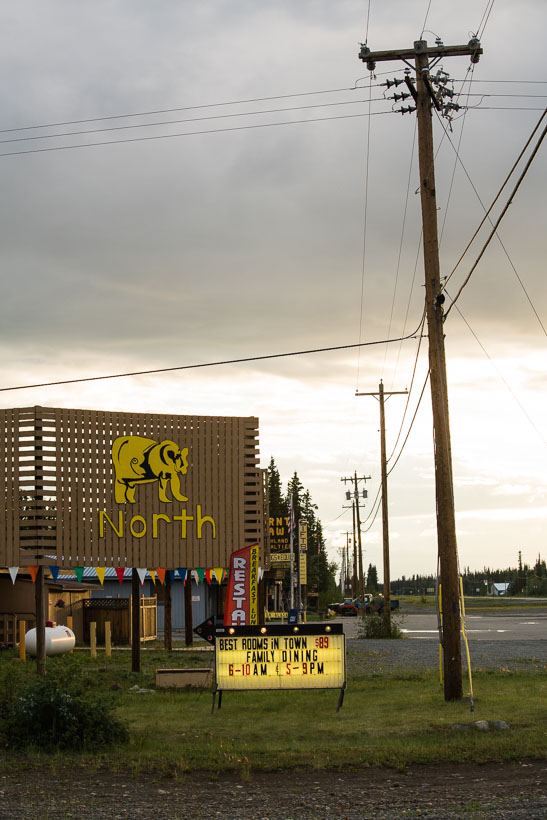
x=498 y=221
x=157 y=124
x=203 y=365
x=179 y=108
x=192 y=133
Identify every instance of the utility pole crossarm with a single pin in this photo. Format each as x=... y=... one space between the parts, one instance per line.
x=386 y=393
x=472 y=49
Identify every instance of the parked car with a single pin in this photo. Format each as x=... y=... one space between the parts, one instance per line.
x=347 y=608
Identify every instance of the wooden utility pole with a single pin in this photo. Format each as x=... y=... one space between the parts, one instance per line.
x=423 y=96
x=385 y=518
x=358 y=578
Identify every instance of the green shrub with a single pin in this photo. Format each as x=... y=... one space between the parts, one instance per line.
x=373 y=627
x=44 y=715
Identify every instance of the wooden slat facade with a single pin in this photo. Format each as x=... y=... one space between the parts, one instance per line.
x=58 y=481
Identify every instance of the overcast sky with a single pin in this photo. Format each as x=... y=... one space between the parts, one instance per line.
x=181 y=246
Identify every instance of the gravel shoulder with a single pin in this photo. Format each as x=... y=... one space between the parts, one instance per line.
x=514 y=791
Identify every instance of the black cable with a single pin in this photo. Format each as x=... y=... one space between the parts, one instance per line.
x=181 y=108
x=190 y=119
x=191 y=133
x=212 y=364
x=499 y=219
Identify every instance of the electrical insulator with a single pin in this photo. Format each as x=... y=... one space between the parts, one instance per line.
x=400 y=97
x=363 y=55
x=395 y=82
x=475 y=43
x=348 y=496
x=408 y=110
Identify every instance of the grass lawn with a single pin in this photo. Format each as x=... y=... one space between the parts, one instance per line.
x=391 y=720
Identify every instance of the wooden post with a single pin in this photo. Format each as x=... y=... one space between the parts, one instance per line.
x=167 y=613
x=385 y=518
x=354 y=576
x=69 y=624
x=93 y=638
x=22 y=647
x=361 y=580
x=108 y=639
x=135 y=622
x=385 y=523
x=40 y=623
x=446 y=519
x=188 y=622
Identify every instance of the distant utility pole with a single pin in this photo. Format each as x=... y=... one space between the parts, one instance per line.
x=357 y=525
x=345 y=562
x=385 y=522
x=425 y=97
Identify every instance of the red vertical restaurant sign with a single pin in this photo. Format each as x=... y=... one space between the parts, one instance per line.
x=242 y=595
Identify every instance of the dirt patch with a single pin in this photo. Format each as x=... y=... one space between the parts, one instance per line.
x=517 y=790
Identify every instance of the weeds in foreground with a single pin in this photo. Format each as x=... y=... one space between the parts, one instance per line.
x=374 y=627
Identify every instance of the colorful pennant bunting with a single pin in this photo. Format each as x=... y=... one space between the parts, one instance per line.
x=54 y=572
x=33 y=573
x=208 y=575
x=141 y=572
x=13 y=572
x=161 y=575
x=79 y=572
x=182 y=574
x=120 y=572
x=201 y=574
x=153 y=576
x=171 y=574
x=100 y=574
x=218 y=573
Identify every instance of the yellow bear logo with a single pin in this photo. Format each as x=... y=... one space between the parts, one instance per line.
x=139 y=460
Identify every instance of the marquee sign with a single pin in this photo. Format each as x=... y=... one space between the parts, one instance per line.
x=277 y=656
x=96 y=488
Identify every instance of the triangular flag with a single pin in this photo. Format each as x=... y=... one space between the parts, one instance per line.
x=153 y=576
x=141 y=572
x=13 y=572
x=219 y=572
x=195 y=576
x=120 y=572
x=201 y=574
x=182 y=574
x=54 y=572
x=79 y=572
x=208 y=575
x=33 y=572
x=260 y=574
x=161 y=575
x=171 y=574
x=100 y=574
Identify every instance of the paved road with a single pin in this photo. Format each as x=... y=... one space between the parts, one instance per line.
x=524 y=625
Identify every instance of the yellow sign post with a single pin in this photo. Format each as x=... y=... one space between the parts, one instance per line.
x=279 y=656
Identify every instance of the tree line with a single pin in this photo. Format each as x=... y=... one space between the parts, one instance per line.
x=321 y=571
x=522 y=579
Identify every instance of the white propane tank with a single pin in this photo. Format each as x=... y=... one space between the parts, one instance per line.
x=59 y=639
